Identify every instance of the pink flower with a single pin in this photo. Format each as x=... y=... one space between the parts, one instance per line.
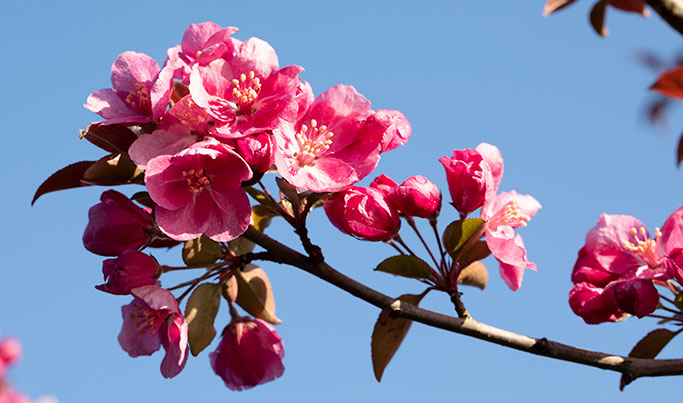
x=492 y=156
x=9 y=395
x=137 y=96
x=116 y=224
x=363 y=213
x=384 y=184
x=199 y=191
x=335 y=144
x=257 y=151
x=470 y=181
x=132 y=269
x=245 y=91
x=250 y=353
x=503 y=213
x=153 y=320
x=10 y=351
x=416 y=197
x=618 y=263
x=393 y=124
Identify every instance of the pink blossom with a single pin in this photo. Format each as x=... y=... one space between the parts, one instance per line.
x=10 y=395
x=137 y=96
x=199 y=191
x=116 y=224
x=153 y=320
x=492 y=157
x=470 y=181
x=257 y=150
x=363 y=213
x=384 y=184
x=503 y=213
x=335 y=144
x=618 y=263
x=394 y=125
x=132 y=269
x=10 y=351
x=245 y=91
x=416 y=197
x=250 y=353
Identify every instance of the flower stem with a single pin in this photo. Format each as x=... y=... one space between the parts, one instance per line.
x=411 y=222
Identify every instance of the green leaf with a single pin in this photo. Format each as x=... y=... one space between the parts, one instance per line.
x=597 y=17
x=388 y=334
x=114 y=169
x=406 y=266
x=262 y=199
x=261 y=217
x=290 y=191
x=255 y=294
x=202 y=250
x=478 y=251
x=241 y=246
x=678 y=301
x=111 y=138
x=200 y=313
x=456 y=235
x=648 y=347
x=229 y=289
x=68 y=177
x=475 y=275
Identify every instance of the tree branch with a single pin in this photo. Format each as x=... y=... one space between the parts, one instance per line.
x=632 y=367
x=671 y=12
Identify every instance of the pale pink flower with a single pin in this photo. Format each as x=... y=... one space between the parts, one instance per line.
x=136 y=97
x=492 y=156
x=469 y=178
x=250 y=353
x=363 y=213
x=199 y=191
x=417 y=196
x=503 y=213
x=132 y=269
x=153 y=320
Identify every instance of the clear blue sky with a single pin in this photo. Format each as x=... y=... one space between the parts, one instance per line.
x=564 y=107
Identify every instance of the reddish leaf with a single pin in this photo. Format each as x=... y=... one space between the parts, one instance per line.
x=597 y=17
x=632 y=6
x=670 y=83
x=648 y=347
x=112 y=170
x=554 y=5
x=679 y=152
x=111 y=138
x=66 y=178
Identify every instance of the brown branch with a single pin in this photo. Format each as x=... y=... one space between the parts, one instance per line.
x=632 y=367
x=671 y=12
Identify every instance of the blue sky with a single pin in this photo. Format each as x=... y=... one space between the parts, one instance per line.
x=564 y=106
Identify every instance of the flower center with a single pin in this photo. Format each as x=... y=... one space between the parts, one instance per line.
x=644 y=246
x=313 y=142
x=196 y=179
x=246 y=90
x=139 y=99
x=148 y=318
x=510 y=215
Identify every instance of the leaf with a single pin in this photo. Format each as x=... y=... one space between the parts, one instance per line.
x=68 y=177
x=262 y=199
x=478 y=251
x=200 y=313
x=475 y=275
x=670 y=83
x=648 y=347
x=114 y=169
x=597 y=17
x=388 y=334
x=554 y=5
x=201 y=251
x=255 y=294
x=229 y=289
x=241 y=246
x=290 y=191
x=679 y=152
x=456 y=235
x=111 y=138
x=405 y=266
x=261 y=217
x=144 y=199
x=678 y=301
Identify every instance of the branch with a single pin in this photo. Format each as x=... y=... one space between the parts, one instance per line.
x=671 y=12
x=632 y=367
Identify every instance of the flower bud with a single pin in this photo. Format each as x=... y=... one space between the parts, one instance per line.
x=363 y=213
x=384 y=184
x=116 y=224
x=250 y=353
x=130 y=270
x=469 y=179
x=416 y=197
x=257 y=151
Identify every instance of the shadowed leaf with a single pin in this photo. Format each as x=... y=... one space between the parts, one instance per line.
x=648 y=347
x=475 y=275
x=478 y=251
x=229 y=289
x=406 y=266
x=68 y=177
x=679 y=151
x=202 y=250
x=597 y=17
x=200 y=313
x=670 y=83
x=115 y=139
x=456 y=235
x=255 y=294
x=114 y=169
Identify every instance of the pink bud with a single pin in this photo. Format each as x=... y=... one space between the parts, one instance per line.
x=469 y=179
x=116 y=224
x=363 y=213
x=130 y=270
x=250 y=353
x=384 y=184
x=10 y=351
x=257 y=151
x=416 y=197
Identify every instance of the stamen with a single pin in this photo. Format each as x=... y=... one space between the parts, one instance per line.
x=246 y=90
x=644 y=246
x=510 y=215
x=196 y=179
x=313 y=142
x=139 y=99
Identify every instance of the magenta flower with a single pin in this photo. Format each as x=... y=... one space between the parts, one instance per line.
x=394 y=125
x=470 y=181
x=257 y=151
x=384 y=184
x=115 y=225
x=335 y=144
x=503 y=213
x=199 y=191
x=363 y=213
x=132 y=269
x=416 y=197
x=137 y=96
x=250 y=353
x=245 y=91
x=153 y=320
x=618 y=263
x=10 y=351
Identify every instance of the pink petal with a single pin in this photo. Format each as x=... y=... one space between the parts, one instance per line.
x=175 y=344
x=254 y=55
x=109 y=105
x=130 y=68
x=232 y=215
x=606 y=242
x=130 y=338
x=492 y=157
x=511 y=254
x=196 y=36
x=160 y=142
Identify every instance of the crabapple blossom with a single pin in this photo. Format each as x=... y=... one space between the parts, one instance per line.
x=384 y=184
x=492 y=157
x=363 y=213
x=250 y=353
x=132 y=269
x=470 y=181
x=416 y=197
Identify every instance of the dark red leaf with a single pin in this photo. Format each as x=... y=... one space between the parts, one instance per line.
x=632 y=6
x=554 y=5
x=670 y=83
x=679 y=152
x=66 y=178
x=597 y=17
x=112 y=138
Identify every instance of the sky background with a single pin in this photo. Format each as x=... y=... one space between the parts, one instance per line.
x=564 y=106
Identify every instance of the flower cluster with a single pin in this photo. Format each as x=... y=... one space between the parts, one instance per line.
x=10 y=354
